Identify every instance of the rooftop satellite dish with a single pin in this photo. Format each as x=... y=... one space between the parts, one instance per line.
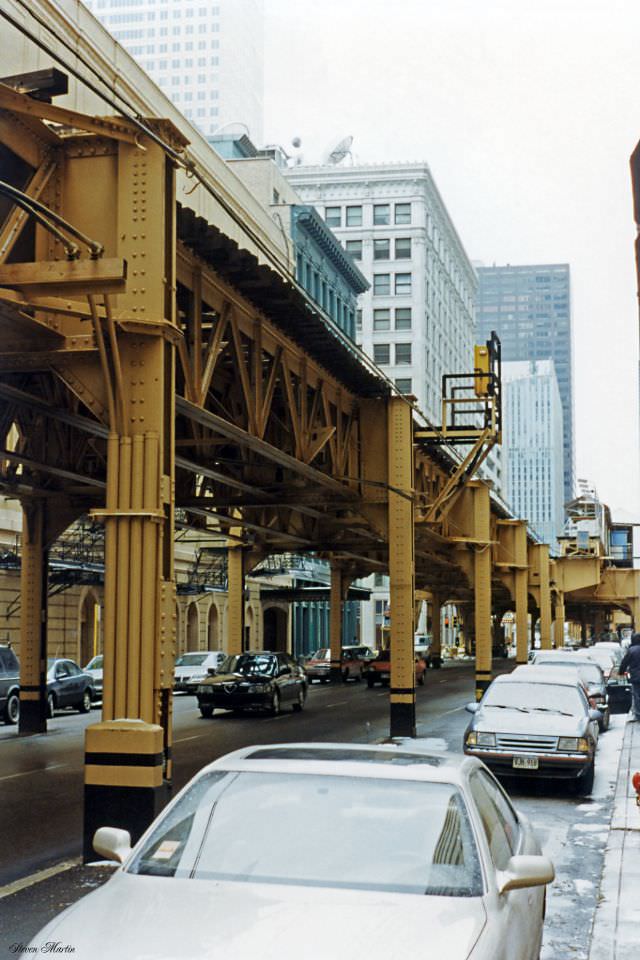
x=339 y=152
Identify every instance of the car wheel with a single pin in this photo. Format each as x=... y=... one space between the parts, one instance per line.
x=85 y=704
x=206 y=710
x=606 y=719
x=584 y=783
x=370 y=682
x=12 y=709
x=345 y=676
x=51 y=705
x=275 y=704
x=299 y=703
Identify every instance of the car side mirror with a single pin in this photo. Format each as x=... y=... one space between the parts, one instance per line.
x=471 y=707
x=525 y=871
x=112 y=843
x=211 y=671
x=595 y=715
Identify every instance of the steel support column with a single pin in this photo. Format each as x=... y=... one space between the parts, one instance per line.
x=482 y=586
x=521 y=580
x=401 y=567
x=235 y=600
x=545 y=596
x=558 y=622
x=335 y=620
x=436 y=630
x=33 y=620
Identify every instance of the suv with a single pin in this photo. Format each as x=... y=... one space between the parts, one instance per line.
x=9 y=685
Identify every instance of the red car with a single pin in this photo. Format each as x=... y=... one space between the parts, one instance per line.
x=379 y=670
x=318 y=666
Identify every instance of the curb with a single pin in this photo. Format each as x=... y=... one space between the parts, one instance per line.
x=616 y=926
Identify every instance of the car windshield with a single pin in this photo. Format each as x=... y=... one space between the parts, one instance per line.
x=386 y=835
x=323 y=654
x=590 y=672
x=248 y=664
x=557 y=698
x=191 y=659
x=95 y=664
x=604 y=658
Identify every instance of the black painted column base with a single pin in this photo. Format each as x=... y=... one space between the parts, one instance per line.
x=402 y=719
x=33 y=717
x=129 y=808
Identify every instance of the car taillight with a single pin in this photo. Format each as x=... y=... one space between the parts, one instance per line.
x=635 y=780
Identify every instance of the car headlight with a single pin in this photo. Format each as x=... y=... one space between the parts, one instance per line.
x=486 y=739
x=472 y=739
x=259 y=688
x=573 y=744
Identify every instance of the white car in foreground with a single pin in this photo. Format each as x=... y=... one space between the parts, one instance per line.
x=321 y=851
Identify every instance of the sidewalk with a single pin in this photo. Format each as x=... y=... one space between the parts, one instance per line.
x=616 y=925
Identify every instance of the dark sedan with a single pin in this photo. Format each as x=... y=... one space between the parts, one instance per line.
x=68 y=686
x=535 y=728
x=254 y=680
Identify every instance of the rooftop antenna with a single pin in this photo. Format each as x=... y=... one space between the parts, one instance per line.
x=339 y=152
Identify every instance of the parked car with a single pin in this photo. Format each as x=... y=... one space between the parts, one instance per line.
x=591 y=675
x=421 y=845
x=318 y=666
x=9 y=685
x=68 y=686
x=191 y=668
x=379 y=670
x=95 y=670
x=614 y=647
x=363 y=653
x=422 y=649
x=526 y=725
x=254 y=680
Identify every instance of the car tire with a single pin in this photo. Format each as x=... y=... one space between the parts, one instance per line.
x=206 y=710
x=606 y=720
x=345 y=676
x=85 y=704
x=298 y=704
x=370 y=682
x=12 y=709
x=359 y=677
x=274 y=708
x=51 y=705
x=584 y=783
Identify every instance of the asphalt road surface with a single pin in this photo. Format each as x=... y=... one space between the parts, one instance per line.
x=41 y=782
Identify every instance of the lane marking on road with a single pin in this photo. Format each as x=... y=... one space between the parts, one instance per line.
x=455 y=710
x=26 y=773
x=281 y=716
x=18 y=885
x=198 y=736
x=444 y=681
x=339 y=703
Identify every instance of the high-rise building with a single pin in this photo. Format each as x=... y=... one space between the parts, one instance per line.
x=207 y=57
x=532 y=445
x=529 y=307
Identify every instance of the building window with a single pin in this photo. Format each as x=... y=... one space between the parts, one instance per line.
x=333 y=216
x=381 y=214
x=403 y=248
x=354 y=216
x=404 y=385
x=403 y=318
x=358 y=319
x=403 y=284
x=382 y=284
x=403 y=353
x=403 y=213
x=381 y=249
x=382 y=353
x=354 y=249
x=381 y=319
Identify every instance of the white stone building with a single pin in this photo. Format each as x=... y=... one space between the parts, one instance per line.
x=207 y=57
x=532 y=445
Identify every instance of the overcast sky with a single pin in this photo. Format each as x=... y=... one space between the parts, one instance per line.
x=526 y=112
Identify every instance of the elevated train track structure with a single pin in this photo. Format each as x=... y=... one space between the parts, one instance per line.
x=156 y=354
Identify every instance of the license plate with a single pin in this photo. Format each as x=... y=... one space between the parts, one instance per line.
x=525 y=763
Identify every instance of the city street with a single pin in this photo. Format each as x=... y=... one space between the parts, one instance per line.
x=41 y=785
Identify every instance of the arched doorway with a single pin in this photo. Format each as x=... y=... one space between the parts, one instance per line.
x=90 y=639
x=193 y=625
x=275 y=629
x=213 y=629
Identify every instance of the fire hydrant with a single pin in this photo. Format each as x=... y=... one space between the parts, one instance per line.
x=635 y=780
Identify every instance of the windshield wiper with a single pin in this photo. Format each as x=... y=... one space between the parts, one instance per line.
x=552 y=710
x=503 y=706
